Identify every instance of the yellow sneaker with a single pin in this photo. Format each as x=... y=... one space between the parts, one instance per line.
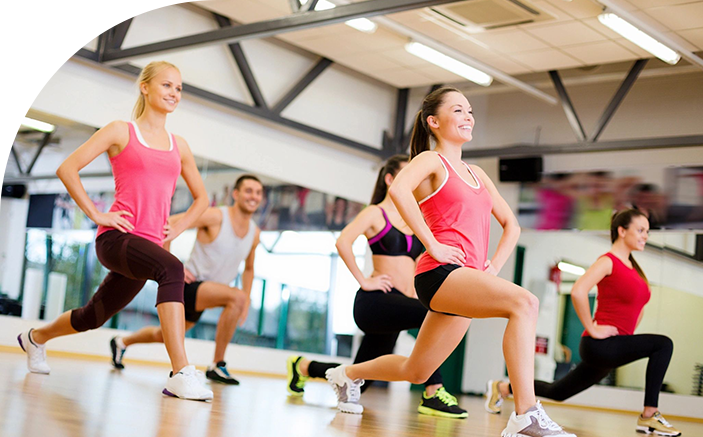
x=296 y=381
x=657 y=425
x=494 y=401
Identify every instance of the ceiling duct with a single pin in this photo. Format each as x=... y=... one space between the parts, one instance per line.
x=475 y=16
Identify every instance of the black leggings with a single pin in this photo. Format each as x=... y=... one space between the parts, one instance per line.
x=131 y=261
x=599 y=357
x=382 y=316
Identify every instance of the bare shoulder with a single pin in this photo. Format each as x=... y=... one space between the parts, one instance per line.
x=181 y=143
x=603 y=264
x=117 y=130
x=427 y=157
x=211 y=217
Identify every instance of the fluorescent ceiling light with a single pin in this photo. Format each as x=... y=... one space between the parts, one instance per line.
x=38 y=125
x=361 y=24
x=640 y=38
x=570 y=268
x=450 y=64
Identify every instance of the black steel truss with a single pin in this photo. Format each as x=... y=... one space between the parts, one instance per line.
x=109 y=52
x=607 y=115
x=620 y=94
x=568 y=106
x=276 y=26
x=46 y=139
x=243 y=64
x=396 y=143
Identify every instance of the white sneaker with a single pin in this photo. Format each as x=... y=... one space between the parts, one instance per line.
x=348 y=391
x=185 y=385
x=36 y=353
x=534 y=423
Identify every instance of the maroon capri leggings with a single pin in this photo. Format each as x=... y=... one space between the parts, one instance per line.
x=131 y=261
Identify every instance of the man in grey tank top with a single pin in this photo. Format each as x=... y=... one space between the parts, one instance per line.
x=226 y=237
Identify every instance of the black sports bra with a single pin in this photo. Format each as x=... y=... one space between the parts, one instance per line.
x=391 y=242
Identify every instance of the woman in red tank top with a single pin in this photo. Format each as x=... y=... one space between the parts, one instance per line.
x=146 y=162
x=455 y=277
x=609 y=341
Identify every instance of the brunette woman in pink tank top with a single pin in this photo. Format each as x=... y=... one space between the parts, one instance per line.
x=455 y=277
x=609 y=340
x=146 y=162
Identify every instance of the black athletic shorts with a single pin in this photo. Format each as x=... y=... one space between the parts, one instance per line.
x=427 y=283
x=190 y=291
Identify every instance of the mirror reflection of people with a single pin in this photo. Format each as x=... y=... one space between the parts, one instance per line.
x=555 y=196
x=609 y=341
x=595 y=202
x=226 y=236
x=386 y=302
x=448 y=205
x=337 y=214
x=146 y=162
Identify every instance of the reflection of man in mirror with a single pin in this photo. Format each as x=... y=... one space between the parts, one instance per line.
x=226 y=237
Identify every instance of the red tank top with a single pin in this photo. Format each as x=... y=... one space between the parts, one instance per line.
x=459 y=215
x=145 y=180
x=621 y=297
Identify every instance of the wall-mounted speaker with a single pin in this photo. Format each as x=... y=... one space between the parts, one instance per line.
x=520 y=169
x=16 y=191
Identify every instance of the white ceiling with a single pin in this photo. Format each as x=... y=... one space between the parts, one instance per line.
x=572 y=37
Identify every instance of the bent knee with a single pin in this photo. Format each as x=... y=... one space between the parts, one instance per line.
x=158 y=336
x=237 y=298
x=416 y=375
x=171 y=270
x=526 y=304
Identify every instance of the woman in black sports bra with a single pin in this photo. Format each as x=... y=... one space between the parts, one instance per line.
x=386 y=303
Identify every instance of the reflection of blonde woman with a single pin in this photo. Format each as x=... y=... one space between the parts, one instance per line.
x=146 y=162
x=609 y=341
x=454 y=279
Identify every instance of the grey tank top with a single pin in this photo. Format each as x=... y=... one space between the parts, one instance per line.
x=219 y=260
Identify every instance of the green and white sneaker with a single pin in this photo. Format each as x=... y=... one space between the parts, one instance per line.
x=441 y=404
x=296 y=381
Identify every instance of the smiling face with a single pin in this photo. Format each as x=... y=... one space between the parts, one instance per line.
x=248 y=196
x=163 y=91
x=454 y=121
x=636 y=235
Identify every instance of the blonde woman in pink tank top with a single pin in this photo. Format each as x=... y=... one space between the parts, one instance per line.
x=146 y=162
x=448 y=205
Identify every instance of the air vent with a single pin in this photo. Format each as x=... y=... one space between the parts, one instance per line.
x=478 y=15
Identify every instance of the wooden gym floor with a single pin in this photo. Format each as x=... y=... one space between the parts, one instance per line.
x=86 y=398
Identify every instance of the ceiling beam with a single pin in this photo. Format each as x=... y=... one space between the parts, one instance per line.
x=244 y=68
x=518 y=150
x=303 y=83
x=569 y=110
x=276 y=26
x=264 y=114
x=618 y=98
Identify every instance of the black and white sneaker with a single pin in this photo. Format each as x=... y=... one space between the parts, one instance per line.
x=218 y=372
x=118 y=348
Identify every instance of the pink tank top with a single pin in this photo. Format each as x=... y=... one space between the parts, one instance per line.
x=145 y=180
x=459 y=215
